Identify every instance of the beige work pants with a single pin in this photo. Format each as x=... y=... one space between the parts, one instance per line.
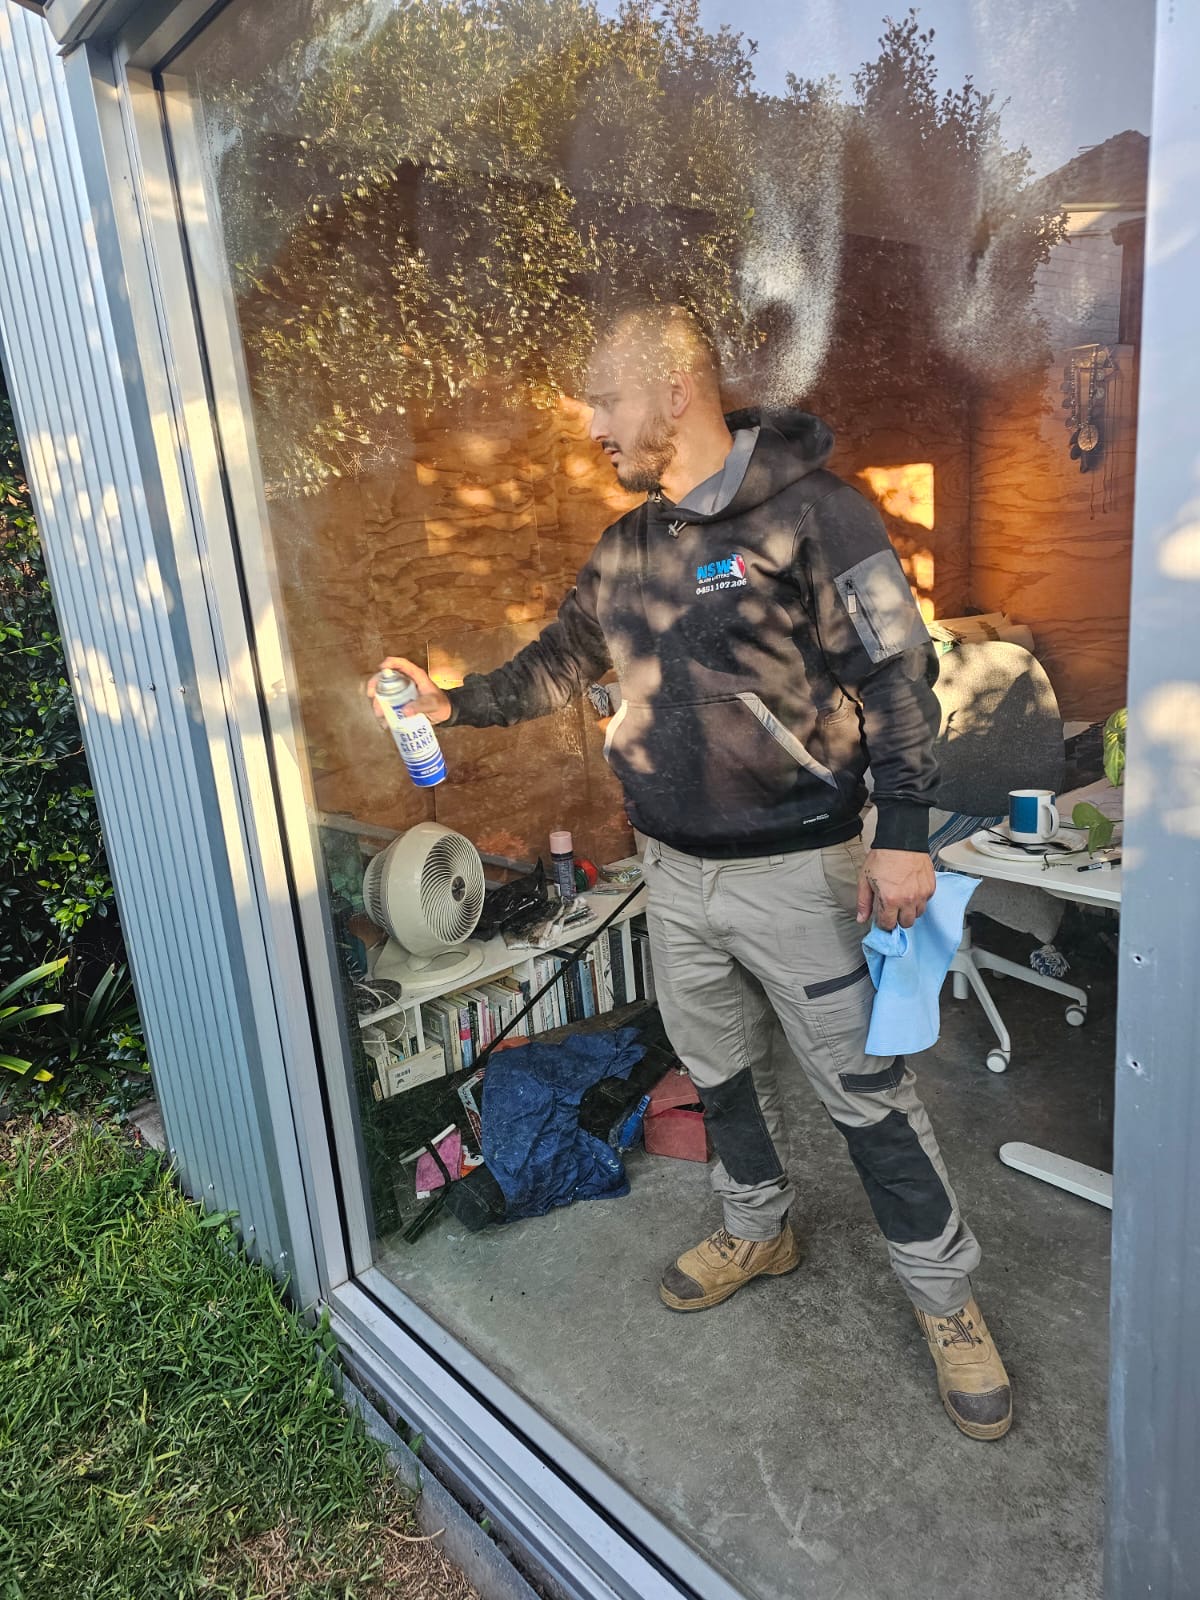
x=733 y=942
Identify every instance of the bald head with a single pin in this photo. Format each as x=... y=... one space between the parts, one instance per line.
x=655 y=392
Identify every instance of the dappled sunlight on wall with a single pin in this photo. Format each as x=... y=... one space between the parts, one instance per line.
x=456 y=558
x=906 y=493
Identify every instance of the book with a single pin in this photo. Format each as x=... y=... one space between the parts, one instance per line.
x=436 y=1025
x=465 y=1037
x=587 y=982
x=616 y=958
x=517 y=996
x=480 y=1018
x=574 y=991
x=603 y=969
x=544 y=1010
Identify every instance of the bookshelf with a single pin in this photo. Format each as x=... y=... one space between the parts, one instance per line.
x=422 y=1046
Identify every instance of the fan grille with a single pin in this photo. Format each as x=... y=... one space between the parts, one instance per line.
x=373 y=890
x=452 y=888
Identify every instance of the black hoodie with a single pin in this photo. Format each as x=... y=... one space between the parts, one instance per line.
x=767 y=653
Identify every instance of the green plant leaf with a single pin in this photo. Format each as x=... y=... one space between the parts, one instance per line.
x=35 y=976
x=1114 y=746
x=13 y=1017
x=21 y=1067
x=1100 y=828
x=218 y=1219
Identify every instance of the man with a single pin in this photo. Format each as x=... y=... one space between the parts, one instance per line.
x=767 y=647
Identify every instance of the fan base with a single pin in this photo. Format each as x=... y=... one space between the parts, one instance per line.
x=442 y=973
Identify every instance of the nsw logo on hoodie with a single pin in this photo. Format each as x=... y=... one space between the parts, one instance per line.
x=729 y=573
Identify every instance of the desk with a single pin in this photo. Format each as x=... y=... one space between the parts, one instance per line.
x=1065 y=883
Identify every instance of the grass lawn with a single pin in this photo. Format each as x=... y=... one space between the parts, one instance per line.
x=167 y=1427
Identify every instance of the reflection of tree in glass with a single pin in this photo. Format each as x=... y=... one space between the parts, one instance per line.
x=423 y=202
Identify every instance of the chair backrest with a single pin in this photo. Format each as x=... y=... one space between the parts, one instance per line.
x=1001 y=728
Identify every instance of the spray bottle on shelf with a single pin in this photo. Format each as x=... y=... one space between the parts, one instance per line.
x=414 y=736
x=562 y=863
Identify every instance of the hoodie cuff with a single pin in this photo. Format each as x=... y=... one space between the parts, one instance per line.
x=902 y=825
x=459 y=711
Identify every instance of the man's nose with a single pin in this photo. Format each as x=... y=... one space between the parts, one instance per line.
x=596 y=427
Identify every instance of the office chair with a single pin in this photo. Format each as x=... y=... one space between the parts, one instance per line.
x=1001 y=730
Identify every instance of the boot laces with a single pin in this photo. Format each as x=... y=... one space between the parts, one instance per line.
x=959 y=1329
x=722 y=1243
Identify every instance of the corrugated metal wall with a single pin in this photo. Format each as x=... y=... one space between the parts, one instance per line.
x=117 y=590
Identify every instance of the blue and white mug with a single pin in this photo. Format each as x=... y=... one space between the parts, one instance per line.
x=1032 y=815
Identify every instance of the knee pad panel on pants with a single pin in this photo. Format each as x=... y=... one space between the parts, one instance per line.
x=907 y=1196
x=738 y=1131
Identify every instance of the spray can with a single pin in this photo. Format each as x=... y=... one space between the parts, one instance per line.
x=414 y=736
x=562 y=863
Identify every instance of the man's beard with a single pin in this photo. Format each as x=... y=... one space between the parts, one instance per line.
x=649 y=458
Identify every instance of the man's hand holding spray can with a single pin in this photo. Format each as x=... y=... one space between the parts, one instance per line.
x=406 y=699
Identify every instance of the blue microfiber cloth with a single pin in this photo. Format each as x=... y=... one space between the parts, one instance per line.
x=908 y=967
x=532 y=1142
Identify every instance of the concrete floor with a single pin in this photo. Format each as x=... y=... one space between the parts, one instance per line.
x=794 y=1434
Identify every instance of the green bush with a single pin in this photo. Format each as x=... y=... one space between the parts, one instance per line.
x=56 y=895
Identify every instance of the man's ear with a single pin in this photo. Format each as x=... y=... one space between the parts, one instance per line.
x=682 y=389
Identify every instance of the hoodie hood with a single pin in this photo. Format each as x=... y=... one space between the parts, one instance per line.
x=791 y=443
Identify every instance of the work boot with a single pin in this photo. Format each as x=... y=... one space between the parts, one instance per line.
x=971 y=1378
x=721 y=1264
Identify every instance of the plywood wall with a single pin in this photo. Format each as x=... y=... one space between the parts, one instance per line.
x=1050 y=545
x=454 y=557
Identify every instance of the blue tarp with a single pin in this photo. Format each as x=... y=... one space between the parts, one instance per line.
x=532 y=1142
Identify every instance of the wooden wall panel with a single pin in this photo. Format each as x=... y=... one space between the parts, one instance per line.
x=1051 y=545
x=455 y=557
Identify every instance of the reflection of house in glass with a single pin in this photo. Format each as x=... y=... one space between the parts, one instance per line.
x=1089 y=291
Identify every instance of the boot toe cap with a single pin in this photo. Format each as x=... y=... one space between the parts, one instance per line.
x=679 y=1286
x=987 y=1410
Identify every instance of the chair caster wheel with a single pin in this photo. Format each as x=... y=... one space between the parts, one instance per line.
x=997 y=1060
x=1076 y=1016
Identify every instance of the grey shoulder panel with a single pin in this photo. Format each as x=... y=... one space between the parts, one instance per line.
x=879 y=603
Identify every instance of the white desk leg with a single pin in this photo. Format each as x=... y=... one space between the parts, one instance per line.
x=1087 y=1182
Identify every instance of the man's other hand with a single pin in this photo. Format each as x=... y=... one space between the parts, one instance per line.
x=896 y=885
x=430 y=701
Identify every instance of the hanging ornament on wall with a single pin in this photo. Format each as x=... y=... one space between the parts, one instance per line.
x=1085 y=385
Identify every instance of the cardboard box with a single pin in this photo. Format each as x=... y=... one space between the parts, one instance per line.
x=427 y=1064
x=675 y=1123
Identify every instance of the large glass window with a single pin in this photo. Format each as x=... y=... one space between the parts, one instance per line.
x=928 y=232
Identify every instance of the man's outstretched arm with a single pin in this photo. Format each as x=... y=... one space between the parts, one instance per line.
x=546 y=675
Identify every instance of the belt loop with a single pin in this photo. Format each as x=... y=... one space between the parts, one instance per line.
x=775 y=861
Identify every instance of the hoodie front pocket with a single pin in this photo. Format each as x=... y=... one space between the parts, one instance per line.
x=787 y=741
x=711 y=768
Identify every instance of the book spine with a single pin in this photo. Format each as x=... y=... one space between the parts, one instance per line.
x=604 y=993
x=449 y=1015
x=639 y=970
x=616 y=955
x=574 y=993
x=541 y=1012
x=587 y=982
x=465 y=1038
x=434 y=1024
